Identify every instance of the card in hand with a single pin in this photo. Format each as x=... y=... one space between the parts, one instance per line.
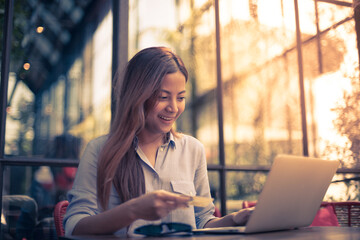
x=198 y=201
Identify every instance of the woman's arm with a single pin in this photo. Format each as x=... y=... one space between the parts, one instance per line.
x=83 y=215
x=151 y=206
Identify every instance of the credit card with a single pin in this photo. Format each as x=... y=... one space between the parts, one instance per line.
x=198 y=201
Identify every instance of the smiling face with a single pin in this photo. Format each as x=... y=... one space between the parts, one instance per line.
x=169 y=105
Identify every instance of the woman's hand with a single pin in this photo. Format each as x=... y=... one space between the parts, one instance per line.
x=151 y=206
x=156 y=205
x=241 y=217
x=238 y=218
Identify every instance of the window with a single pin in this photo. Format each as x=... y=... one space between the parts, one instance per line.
x=59 y=89
x=261 y=83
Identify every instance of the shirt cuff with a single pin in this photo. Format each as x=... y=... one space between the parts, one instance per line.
x=205 y=220
x=71 y=223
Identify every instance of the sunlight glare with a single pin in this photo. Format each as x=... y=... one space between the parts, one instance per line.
x=328 y=90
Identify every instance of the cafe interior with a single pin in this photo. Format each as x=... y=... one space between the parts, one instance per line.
x=266 y=77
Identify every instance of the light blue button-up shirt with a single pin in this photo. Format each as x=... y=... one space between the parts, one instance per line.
x=180 y=167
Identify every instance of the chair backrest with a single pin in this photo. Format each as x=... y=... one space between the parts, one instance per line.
x=348 y=213
x=326 y=215
x=19 y=215
x=345 y=213
x=59 y=212
x=217 y=212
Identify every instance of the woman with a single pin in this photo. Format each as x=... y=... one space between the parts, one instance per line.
x=143 y=171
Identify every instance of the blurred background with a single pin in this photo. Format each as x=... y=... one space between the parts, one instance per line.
x=267 y=77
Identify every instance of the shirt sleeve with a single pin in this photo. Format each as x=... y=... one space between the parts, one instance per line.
x=201 y=182
x=82 y=197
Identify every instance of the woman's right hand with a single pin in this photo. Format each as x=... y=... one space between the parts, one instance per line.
x=150 y=206
x=156 y=205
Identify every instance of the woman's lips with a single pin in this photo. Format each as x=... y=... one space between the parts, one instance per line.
x=166 y=119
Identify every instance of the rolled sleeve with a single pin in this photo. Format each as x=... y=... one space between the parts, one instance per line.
x=71 y=223
x=82 y=197
x=201 y=181
x=206 y=216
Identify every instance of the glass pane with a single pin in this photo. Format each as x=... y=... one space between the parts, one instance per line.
x=344 y=187
x=29 y=197
x=248 y=186
x=332 y=14
x=243 y=186
x=331 y=73
x=214 y=179
x=307 y=17
x=260 y=74
x=60 y=79
x=188 y=27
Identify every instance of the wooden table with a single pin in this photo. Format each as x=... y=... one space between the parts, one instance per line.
x=323 y=233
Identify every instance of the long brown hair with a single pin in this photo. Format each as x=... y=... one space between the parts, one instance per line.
x=136 y=93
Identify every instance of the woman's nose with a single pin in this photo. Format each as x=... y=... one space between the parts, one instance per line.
x=172 y=106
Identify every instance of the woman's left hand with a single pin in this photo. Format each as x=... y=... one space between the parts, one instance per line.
x=241 y=217
x=238 y=218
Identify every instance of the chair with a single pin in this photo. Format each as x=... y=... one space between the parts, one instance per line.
x=331 y=213
x=217 y=212
x=19 y=216
x=59 y=212
x=326 y=215
x=348 y=213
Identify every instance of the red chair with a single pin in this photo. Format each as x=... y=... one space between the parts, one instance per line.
x=348 y=213
x=326 y=215
x=59 y=212
x=217 y=212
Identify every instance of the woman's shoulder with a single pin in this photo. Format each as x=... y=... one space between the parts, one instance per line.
x=190 y=147
x=99 y=139
x=185 y=139
x=97 y=143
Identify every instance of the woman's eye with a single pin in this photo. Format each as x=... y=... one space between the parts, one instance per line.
x=163 y=97
x=181 y=98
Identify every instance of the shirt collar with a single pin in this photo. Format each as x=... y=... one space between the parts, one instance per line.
x=170 y=140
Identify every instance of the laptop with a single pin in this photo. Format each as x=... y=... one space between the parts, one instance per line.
x=292 y=195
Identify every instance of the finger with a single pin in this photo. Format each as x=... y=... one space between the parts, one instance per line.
x=177 y=198
x=242 y=216
x=172 y=205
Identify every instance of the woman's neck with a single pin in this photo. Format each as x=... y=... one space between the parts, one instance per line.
x=149 y=144
x=151 y=139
